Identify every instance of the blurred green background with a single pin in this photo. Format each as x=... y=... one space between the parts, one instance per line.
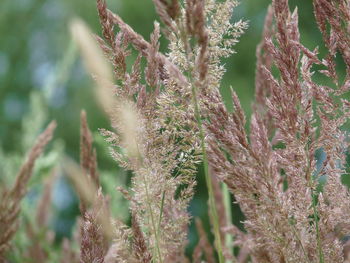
x=42 y=78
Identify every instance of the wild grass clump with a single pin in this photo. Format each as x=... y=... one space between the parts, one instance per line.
x=167 y=116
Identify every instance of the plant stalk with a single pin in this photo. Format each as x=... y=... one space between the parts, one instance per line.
x=153 y=221
x=227 y=204
x=212 y=205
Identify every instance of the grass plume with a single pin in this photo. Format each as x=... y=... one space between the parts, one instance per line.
x=167 y=117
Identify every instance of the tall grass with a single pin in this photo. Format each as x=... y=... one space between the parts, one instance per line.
x=168 y=117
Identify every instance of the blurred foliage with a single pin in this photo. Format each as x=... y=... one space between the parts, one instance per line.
x=42 y=78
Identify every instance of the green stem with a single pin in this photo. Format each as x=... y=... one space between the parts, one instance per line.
x=319 y=245
x=152 y=220
x=161 y=211
x=313 y=202
x=212 y=205
x=227 y=204
x=155 y=229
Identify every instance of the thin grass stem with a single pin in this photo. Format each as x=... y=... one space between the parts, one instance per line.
x=152 y=220
x=161 y=211
x=212 y=205
x=313 y=202
x=228 y=209
x=319 y=245
x=301 y=243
